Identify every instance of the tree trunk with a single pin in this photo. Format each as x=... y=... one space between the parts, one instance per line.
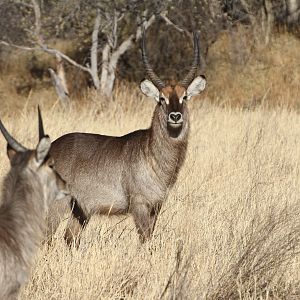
x=105 y=70
x=94 y=52
x=108 y=86
x=268 y=20
x=110 y=59
x=293 y=11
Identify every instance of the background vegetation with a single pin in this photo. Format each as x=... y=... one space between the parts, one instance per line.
x=249 y=47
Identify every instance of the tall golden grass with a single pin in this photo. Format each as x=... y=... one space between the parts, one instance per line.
x=230 y=228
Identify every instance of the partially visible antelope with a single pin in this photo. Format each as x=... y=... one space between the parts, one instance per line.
x=131 y=173
x=27 y=191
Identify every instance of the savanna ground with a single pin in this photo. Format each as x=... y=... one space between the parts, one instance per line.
x=230 y=228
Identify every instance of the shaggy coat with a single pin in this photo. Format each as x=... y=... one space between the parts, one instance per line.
x=27 y=190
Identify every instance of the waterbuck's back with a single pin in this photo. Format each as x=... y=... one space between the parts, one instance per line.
x=101 y=169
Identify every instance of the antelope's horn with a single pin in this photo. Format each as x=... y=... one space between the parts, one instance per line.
x=149 y=71
x=192 y=73
x=10 y=140
x=41 y=126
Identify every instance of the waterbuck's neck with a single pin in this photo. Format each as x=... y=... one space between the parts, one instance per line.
x=167 y=153
x=21 y=215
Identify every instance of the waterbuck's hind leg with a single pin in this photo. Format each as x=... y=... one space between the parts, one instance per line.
x=154 y=213
x=145 y=218
x=13 y=296
x=76 y=224
x=58 y=210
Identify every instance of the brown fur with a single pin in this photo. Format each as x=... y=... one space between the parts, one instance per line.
x=131 y=173
x=27 y=190
x=178 y=91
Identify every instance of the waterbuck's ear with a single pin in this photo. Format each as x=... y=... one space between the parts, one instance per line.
x=11 y=153
x=196 y=87
x=42 y=149
x=149 y=89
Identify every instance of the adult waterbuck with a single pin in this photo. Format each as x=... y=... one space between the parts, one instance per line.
x=28 y=188
x=131 y=173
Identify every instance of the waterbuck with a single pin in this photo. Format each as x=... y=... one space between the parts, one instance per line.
x=131 y=173
x=28 y=188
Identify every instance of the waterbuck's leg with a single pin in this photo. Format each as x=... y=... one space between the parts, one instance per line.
x=145 y=218
x=76 y=224
x=13 y=295
x=58 y=210
x=154 y=215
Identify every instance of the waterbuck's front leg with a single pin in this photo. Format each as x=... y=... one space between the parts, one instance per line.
x=145 y=217
x=58 y=210
x=14 y=294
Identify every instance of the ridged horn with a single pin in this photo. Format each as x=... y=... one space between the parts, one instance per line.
x=41 y=126
x=10 y=140
x=149 y=71
x=192 y=73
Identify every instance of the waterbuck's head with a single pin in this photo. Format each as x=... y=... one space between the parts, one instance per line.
x=36 y=164
x=172 y=98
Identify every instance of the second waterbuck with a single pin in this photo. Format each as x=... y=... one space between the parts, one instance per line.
x=131 y=173
x=28 y=188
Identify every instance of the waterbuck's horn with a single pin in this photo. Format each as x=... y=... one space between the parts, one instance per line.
x=150 y=73
x=10 y=140
x=41 y=126
x=192 y=73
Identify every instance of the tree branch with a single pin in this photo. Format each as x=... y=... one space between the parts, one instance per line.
x=169 y=22
x=55 y=52
x=125 y=45
x=18 y=47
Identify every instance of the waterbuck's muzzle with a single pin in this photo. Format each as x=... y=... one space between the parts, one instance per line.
x=175 y=119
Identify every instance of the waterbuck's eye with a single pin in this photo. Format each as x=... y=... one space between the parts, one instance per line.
x=162 y=99
x=184 y=97
x=50 y=163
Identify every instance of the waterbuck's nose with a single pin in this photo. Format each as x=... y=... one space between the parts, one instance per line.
x=175 y=117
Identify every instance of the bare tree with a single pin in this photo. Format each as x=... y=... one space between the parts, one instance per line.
x=112 y=51
x=108 y=24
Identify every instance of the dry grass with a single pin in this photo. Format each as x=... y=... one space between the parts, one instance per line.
x=243 y=72
x=230 y=228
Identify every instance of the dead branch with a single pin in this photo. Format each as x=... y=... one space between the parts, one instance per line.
x=170 y=23
x=59 y=88
x=18 y=47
